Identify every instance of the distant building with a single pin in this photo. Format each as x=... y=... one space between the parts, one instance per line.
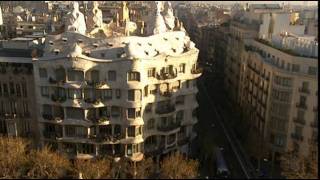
x=17 y=96
x=271 y=72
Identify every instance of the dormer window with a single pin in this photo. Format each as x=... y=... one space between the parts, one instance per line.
x=109 y=44
x=95 y=45
x=165 y=39
x=56 y=51
x=87 y=53
x=51 y=43
x=139 y=44
x=177 y=38
x=149 y=44
x=102 y=55
x=173 y=49
x=64 y=39
x=147 y=53
x=80 y=40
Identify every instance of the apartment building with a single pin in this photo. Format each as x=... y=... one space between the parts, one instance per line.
x=275 y=84
x=17 y=95
x=124 y=96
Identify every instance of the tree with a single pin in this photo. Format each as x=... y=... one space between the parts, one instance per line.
x=144 y=169
x=176 y=166
x=294 y=166
x=47 y=164
x=12 y=157
x=93 y=169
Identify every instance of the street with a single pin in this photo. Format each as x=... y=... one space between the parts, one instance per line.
x=212 y=133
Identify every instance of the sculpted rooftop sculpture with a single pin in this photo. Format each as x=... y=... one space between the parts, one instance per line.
x=75 y=21
x=94 y=18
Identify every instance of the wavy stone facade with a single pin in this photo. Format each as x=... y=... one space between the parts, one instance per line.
x=125 y=96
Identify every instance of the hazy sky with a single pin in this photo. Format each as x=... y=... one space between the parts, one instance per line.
x=258 y=2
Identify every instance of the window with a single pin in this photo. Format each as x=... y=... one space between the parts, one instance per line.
x=25 y=108
x=131 y=131
x=279 y=140
x=152 y=72
x=295 y=68
x=11 y=86
x=305 y=85
x=118 y=93
x=107 y=94
x=312 y=70
x=179 y=116
x=75 y=113
x=43 y=73
x=303 y=99
x=5 y=90
x=300 y=115
x=24 y=89
x=74 y=93
x=18 y=90
x=131 y=95
x=0 y=89
x=112 y=75
x=182 y=68
x=75 y=75
x=298 y=130
x=129 y=149
x=150 y=124
x=131 y=112
x=44 y=91
x=86 y=148
x=133 y=76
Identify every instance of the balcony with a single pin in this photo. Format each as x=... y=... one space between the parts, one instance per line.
x=56 y=98
x=51 y=135
x=153 y=150
x=103 y=138
x=92 y=101
x=48 y=117
x=297 y=137
x=52 y=81
x=299 y=121
x=301 y=105
x=165 y=76
x=99 y=119
x=179 y=102
x=304 y=90
x=170 y=127
x=196 y=70
x=166 y=94
x=165 y=109
x=95 y=84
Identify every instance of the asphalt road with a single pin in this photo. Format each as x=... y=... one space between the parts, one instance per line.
x=211 y=134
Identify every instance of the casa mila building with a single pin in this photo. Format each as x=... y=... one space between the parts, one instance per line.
x=123 y=89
